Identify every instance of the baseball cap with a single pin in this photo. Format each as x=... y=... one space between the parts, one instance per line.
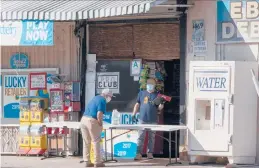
x=151 y=81
x=107 y=92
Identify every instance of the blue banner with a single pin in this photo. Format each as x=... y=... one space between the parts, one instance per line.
x=237 y=21
x=27 y=33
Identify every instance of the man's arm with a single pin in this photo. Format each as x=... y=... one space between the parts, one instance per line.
x=160 y=107
x=135 y=110
x=136 y=107
x=100 y=118
x=101 y=111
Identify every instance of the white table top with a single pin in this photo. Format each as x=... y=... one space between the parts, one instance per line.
x=60 y=124
x=76 y=125
x=152 y=127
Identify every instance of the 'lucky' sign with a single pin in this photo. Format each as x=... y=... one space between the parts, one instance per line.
x=238 y=21
x=211 y=81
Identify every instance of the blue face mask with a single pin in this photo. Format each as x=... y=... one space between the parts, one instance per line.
x=150 y=87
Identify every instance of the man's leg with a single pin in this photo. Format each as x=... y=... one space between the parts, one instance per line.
x=95 y=132
x=86 y=141
x=140 y=143
x=151 y=143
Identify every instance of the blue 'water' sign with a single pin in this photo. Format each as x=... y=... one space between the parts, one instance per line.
x=212 y=81
x=19 y=61
x=26 y=33
x=238 y=21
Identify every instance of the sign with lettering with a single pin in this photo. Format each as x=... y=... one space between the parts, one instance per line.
x=211 y=81
x=14 y=87
x=198 y=30
x=108 y=80
x=26 y=33
x=19 y=61
x=38 y=81
x=135 y=67
x=200 y=48
x=125 y=145
x=238 y=21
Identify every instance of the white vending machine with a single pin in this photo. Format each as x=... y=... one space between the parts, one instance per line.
x=222 y=110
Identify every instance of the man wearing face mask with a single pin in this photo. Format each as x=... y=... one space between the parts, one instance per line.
x=91 y=127
x=148 y=115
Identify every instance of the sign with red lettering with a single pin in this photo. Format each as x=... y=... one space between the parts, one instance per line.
x=38 y=81
x=108 y=80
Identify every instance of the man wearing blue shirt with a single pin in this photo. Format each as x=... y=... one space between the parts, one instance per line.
x=91 y=127
x=148 y=115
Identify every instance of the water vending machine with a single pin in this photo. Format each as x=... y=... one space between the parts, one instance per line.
x=222 y=110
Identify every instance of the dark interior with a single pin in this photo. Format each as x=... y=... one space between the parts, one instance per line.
x=129 y=89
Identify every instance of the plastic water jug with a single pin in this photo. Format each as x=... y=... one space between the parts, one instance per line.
x=115 y=117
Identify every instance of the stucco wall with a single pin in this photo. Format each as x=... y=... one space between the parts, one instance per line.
x=230 y=52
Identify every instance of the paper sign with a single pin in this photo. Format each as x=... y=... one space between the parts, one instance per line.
x=136 y=78
x=198 y=30
x=135 y=67
x=200 y=48
x=38 y=81
x=108 y=80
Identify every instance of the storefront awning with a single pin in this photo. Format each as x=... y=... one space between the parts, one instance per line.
x=72 y=9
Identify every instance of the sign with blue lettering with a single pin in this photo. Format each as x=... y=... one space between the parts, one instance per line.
x=135 y=67
x=238 y=21
x=19 y=61
x=26 y=33
x=211 y=81
x=14 y=87
x=125 y=145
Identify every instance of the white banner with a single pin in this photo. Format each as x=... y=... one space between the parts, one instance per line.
x=26 y=33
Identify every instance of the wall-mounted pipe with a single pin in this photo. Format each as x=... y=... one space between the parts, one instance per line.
x=176 y=6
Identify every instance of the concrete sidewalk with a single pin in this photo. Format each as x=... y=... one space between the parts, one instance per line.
x=73 y=162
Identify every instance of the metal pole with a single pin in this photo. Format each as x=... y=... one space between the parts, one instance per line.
x=175 y=146
x=105 y=139
x=170 y=147
x=111 y=145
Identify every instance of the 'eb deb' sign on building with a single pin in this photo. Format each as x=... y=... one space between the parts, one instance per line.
x=238 y=21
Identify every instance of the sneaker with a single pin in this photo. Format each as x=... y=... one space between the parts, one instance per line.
x=89 y=164
x=150 y=156
x=138 y=157
x=99 y=165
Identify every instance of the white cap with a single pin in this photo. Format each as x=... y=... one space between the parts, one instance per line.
x=107 y=92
